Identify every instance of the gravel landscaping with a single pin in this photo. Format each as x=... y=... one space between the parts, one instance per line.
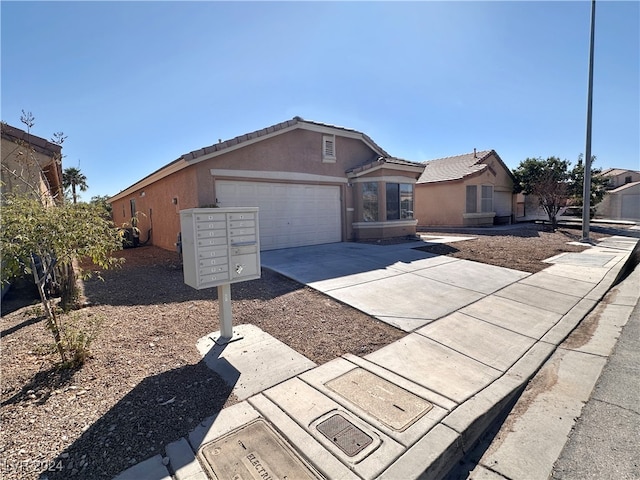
x=145 y=385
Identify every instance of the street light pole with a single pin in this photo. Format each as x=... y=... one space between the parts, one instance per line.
x=586 y=190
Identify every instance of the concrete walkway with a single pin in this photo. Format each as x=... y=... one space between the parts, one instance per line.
x=413 y=408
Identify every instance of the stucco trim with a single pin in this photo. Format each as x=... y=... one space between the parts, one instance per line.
x=275 y=175
x=389 y=224
x=389 y=179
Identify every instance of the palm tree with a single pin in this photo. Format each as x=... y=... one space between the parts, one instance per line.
x=73 y=178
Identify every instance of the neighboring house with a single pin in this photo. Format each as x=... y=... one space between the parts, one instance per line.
x=314 y=183
x=622 y=203
x=474 y=189
x=622 y=200
x=619 y=176
x=30 y=165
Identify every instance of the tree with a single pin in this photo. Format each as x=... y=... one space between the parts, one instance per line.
x=101 y=201
x=546 y=179
x=73 y=178
x=598 y=183
x=555 y=185
x=40 y=237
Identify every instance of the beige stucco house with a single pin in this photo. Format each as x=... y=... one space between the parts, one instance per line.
x=313 y=183
x=474 y=189
x=30 y=165
x=622 y=203
x=618 y=177
x=622 y=199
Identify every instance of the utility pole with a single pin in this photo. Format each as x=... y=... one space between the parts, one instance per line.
x=586 y=190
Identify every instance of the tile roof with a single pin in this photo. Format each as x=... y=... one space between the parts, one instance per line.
x=192 y=157
x=455 y=168
x=222 y=145
x=624 y=187
x=609 y=172
x=384 y=160
x=39 y=144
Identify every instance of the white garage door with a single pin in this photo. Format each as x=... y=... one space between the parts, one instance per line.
x=630 y=207
x=290 y=215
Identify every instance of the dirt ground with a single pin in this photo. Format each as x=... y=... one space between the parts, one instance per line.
x=145 y=385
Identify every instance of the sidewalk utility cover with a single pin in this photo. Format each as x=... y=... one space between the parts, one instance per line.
x=344 y=434
x=253 y=451
x=392 y=405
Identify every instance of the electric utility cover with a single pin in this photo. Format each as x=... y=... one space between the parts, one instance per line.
x=219 y=246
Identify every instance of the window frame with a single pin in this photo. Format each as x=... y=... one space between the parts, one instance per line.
x=484 y=207
x=371 y=205
x=471 y=200
x=394 y=200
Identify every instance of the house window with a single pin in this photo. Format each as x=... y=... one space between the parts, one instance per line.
x=399 y=201
x=627 y=180
x=329 y=148
x=486 y=200
x=406 y=200
x=472 y=199
x=370 y=202
x=132 y=204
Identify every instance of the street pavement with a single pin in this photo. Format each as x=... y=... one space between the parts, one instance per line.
x=605 y=442
x=415 y=407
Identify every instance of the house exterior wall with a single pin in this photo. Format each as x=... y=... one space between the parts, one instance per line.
x=444 y=203
x=36 y=173
x=291 y=157
x=622 y=178
x=156 y=212
x=622 y=204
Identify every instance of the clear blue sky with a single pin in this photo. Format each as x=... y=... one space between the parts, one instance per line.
x=136 y=84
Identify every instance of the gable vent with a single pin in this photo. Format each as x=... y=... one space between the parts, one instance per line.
x=328 y=148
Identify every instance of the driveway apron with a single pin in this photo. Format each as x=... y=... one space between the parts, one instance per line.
x=397 y=284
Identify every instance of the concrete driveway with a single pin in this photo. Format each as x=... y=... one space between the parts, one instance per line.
x=397 y=284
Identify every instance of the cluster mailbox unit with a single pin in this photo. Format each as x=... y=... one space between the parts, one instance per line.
x=220 y=246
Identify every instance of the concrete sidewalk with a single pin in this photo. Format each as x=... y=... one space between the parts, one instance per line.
x=572 y=422
x=413 y=408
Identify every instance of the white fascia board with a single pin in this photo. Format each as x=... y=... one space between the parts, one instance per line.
x=274 y=175
x=145 y=182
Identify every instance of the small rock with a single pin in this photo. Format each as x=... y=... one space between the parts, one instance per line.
x=65 y=454
x=165 y=461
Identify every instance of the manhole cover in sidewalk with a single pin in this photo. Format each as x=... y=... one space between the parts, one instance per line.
x=392 y=405
x=253 y=451
x=344 y=434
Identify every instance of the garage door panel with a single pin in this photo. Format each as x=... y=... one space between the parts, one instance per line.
x=290 y=215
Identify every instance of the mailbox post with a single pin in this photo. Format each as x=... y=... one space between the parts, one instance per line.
x=220 y=246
